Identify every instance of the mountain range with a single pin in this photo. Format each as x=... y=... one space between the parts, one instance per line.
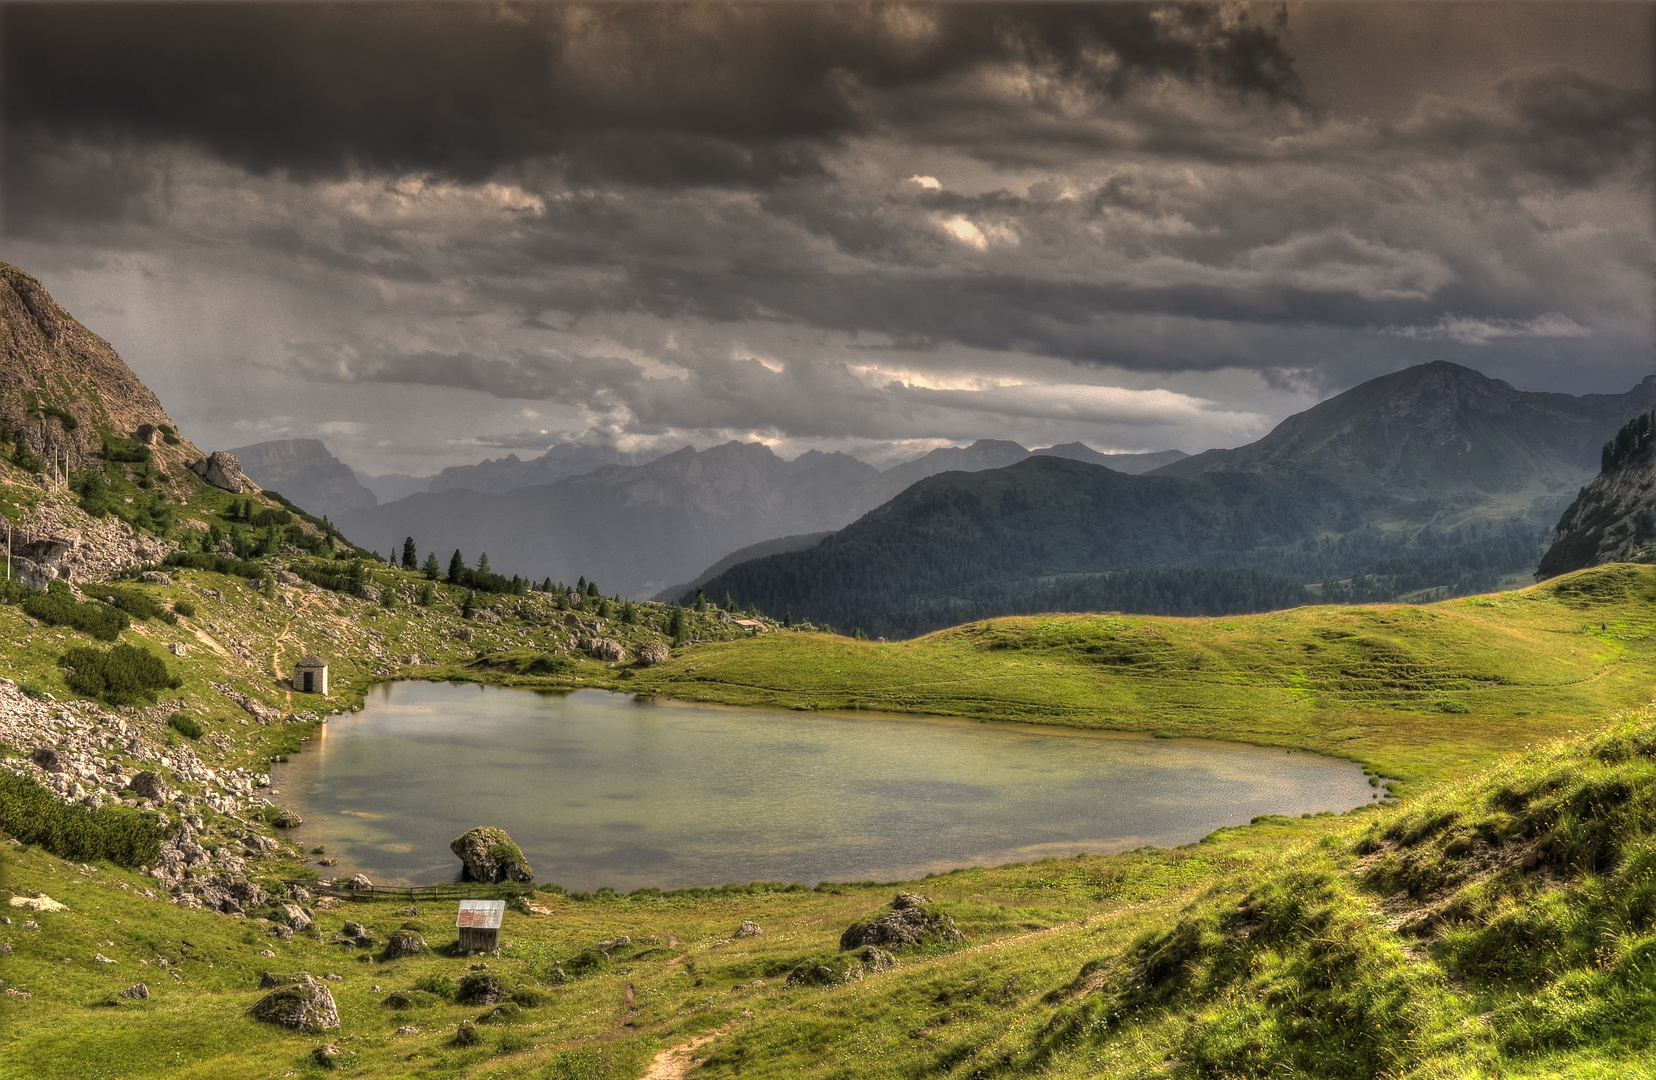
x=1432 y=476
x=640 y=528
x=306 y=472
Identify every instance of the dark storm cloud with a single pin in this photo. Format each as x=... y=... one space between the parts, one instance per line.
x=648 y=93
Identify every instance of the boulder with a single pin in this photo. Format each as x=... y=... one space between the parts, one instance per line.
x=150 y=785
x=749 y=928
x=404 y=943
x=652 y=653
x=359 y=882
x=488 y=854
x=155 y=577
x=47 y=759
x=601 y=648
x=32 y=575
x=467 y=1034
x=909 y=922
x=287 y=819
x=480 y=988
x=223 y=471
x=326 y=1056
x=368 y=593
x=135 y=992
x=302 y=1005
x=463 y=633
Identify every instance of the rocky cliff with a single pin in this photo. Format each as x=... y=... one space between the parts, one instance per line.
x=1613 y=519
x=306 y=472
x=63 y=388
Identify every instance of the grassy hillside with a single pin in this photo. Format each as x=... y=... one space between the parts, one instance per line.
x=1413 y=691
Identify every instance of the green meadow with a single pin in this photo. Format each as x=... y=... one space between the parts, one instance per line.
x=1497 y=919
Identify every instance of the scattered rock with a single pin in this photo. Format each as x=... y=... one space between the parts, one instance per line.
x=467 y=1034
x=605 y=649
x=909 y=922
x=353 y=930
x=408 y=1029
x=749 y=928
x=150 y=785
x=368 y=593
x=488 y=854
x=294 y=917
x=875 y=961
x=178 y=648
x=37 y=903
x=652 y=653
x=155 y=577
x=287 y=819
x=480 y=988
x=135 y=992
x=614 y=943
x=404 y=943
x=304 y=1005
x=463 y=633
x=223 y=471
x=326 y=1055
x=359 y=882
x=100 y=958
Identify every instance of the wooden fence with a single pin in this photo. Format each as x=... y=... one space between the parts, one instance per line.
x=416 y=893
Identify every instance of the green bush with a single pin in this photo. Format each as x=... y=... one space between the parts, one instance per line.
x=31 y=813
x=126 y=451
x=58 y=607
x=138 y=604
x=441 y=985
x=217 y=563
x=190 y=729
x=185 y=608
x=122 y=675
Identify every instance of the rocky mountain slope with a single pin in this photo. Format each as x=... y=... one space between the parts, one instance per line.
x=304 y=471
x=1613 y=519
x=64 y=390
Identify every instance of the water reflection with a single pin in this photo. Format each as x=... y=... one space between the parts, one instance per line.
x=599 y=789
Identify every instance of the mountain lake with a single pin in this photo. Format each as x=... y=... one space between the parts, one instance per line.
x=603 y=789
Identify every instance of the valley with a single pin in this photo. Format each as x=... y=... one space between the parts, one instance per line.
x=1485 y=911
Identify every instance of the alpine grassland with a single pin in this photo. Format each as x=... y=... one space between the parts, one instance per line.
x=1493 y=917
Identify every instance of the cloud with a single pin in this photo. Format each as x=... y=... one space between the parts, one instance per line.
x=1482 y=331
x=930 y=183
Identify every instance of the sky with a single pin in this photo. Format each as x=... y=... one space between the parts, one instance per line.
x=433 y=233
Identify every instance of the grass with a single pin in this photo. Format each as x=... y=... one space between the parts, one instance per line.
x=1495 y=922
x=1413 y=692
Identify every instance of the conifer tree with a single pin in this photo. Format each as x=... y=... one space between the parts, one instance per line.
x=410 y=554
x=433 y=569
x=483 y=563
x=456 y=567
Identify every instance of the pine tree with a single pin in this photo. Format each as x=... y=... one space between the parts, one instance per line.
x=701 y=600
x=432 y=569
x=483 y=563
x=457 y=566
x=411 y=554
x=678 y=625
x=592 y=589
x=580 y=585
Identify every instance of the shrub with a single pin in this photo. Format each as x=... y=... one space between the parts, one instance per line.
x=190 y=729
x=217 y=563
x=184 y=608
x=31 y=813
x=122 y=675
x=32 y=689
x=441 y=985
x=58 y=607
x=127 y=451
x=138 y=604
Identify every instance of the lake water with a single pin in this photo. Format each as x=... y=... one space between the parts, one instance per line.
x=601 y=789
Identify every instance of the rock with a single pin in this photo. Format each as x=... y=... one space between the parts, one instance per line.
x=178 y=648
x=749 y=928
x=605 y=649
x=287 y=819
x=484 y=615
x=614 y=943
x=31 y=575
x=907 y=923
x=652 y=653
x=303 y=1005
x=223 y=471
x=150 y=785
x=875 y=961
x=144 y=433
x=368 y=593
x=300 y=894
x=359 y=882
x=47 y=759
x=463 y=633
x=408 y=1029
x=480 y=988
x=155 y=577
x=294 y=917
x=135 y=992
x=467 y=1034
x=404 y=943
x=326 y=1055
x=288 y=577
x=354 y=930
x=488 y=854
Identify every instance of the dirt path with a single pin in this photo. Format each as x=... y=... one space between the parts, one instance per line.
x=277 y=652
x=675 y=1062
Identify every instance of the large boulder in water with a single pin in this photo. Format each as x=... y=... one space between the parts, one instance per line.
x=488 y=854
x=303 y=1005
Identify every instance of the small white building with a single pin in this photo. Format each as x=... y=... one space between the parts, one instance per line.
x=310 y=675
